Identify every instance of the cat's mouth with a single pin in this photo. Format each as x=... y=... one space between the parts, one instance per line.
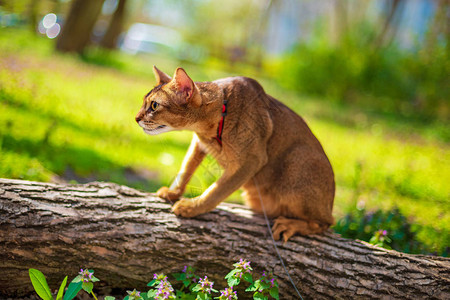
x=157 y=130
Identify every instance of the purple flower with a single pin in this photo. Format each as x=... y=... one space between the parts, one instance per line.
x=86 y=275
x=381 y=233
x=134 y=295
x=228 y=294
x=189 y=272
x=165 y=289
x=206 y=285
x=159 y=277
x=243 y=265
x=269 y=279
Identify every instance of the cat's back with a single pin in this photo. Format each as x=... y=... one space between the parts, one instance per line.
x=245 y=93
x=239 y=85
x=288 y=126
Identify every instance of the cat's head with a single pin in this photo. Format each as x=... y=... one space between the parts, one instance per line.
x=171 y=105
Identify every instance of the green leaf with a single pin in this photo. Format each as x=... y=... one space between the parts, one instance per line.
x=202 y=296
x=77 y=279
x=61 y=289
x=248 y=277
x=72 y=290
x=264 y=285
x=143 y=296
x=252 y=287
x=232 y=272
x=179 y=276
x=186 y=283
x=151 y=294
x=152 y=283
x=126 y=298
x=274 y=292
x=87 y=286
x=259 y=296
x=233 y=281
x=110 y=298
x=196 y=288
x=40 y=284
x=94 y=279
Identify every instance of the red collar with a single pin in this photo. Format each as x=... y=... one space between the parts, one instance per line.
x=218 y=137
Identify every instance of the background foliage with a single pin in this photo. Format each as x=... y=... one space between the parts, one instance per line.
x=379 y=105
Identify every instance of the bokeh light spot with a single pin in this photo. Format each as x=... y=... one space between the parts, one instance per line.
x=49 y=20
x=53 y=31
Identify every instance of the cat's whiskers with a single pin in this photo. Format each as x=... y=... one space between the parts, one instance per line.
x=157 y=130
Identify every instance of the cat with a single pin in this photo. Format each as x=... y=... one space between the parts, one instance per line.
x=264 y=148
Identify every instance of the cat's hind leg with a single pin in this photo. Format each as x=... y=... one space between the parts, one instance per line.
x=288 y=227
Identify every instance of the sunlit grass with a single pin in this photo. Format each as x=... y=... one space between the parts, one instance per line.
x=64 y=119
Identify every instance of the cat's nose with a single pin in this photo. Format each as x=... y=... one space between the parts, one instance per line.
x=138 y=118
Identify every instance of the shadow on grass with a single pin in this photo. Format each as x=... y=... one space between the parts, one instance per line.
x=80 y=164
x=20 y=104
x=87 y=129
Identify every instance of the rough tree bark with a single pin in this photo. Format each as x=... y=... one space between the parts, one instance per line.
x=127 y=235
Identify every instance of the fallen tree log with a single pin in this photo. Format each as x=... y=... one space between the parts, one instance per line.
x=126 y=236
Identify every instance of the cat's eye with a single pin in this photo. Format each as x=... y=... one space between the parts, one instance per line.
x=153 y=106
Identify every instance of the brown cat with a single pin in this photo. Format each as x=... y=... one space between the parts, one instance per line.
x=264 y=148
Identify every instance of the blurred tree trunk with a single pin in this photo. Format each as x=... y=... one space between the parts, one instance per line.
x=32 y=14
x=439 y=25
x=109 y=40
x=341 y=10
x=392 y=15
x=260 y=33
x=76 y=32
x=56 y=6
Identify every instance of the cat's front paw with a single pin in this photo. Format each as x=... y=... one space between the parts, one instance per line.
x=186 y=208
x=168 y=194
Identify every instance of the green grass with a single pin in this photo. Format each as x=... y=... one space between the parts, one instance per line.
x=66 y=118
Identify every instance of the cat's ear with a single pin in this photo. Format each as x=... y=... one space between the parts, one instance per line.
x=186 y=86
x=160 y=76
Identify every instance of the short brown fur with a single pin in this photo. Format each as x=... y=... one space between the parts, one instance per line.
x=267 y=150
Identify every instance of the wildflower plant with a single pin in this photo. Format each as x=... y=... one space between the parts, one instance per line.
x=133 y=295
x=40 y=285
x=187 y=277
x=228 y=294
x=163 y=289
x=381 y=239
x=192 y=287
x=204 y=289
x=241 y=271
x=87 y=279
x=265 y=286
